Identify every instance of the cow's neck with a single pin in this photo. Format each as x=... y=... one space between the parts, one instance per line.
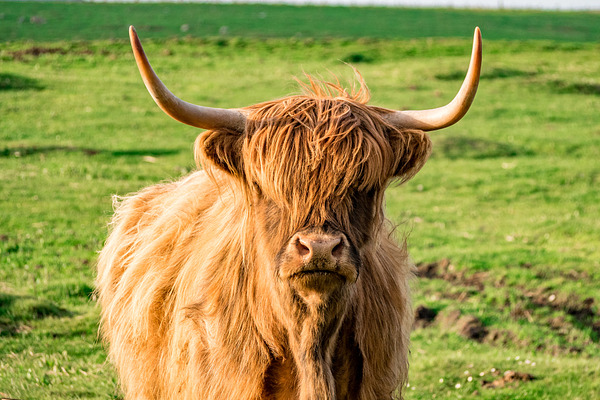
x=313 y=325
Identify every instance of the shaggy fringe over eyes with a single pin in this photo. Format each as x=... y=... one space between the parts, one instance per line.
x=317 y=147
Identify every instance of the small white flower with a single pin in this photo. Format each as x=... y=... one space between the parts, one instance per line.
x=481 y=373
x=469 y=379
x=457 y=386
x=441 y=380
x=493 y=369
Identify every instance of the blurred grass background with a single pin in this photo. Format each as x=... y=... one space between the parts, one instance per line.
x=504 y=219
x=44 y=21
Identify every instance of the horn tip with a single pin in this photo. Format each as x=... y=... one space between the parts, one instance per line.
x=133 y=36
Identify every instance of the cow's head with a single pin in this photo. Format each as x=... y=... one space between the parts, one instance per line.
x=313 y=168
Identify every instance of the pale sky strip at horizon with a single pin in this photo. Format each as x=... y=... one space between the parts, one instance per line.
x=506 y=4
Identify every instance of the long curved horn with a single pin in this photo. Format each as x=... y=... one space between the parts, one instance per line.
x=191 y=114
x=438 y=118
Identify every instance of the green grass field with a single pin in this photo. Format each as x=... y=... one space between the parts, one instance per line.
x=81 y=21
x=504 y=219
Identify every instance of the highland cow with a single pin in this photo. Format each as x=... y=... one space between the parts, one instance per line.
x=272 y=273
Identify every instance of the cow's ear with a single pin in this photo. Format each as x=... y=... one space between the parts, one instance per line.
x=221 y=149
x=412 y=149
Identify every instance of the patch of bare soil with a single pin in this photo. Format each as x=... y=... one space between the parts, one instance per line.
x=468 y=326
x=447 y=319
x=38 y=51
x=583 y=311
x=576 y=313
x=444 y=269
x=503 y=338
x=508 y=378
x=571 y=304
x=472 y=328
x=423 y=317
x=11 y=329
x=575 y=275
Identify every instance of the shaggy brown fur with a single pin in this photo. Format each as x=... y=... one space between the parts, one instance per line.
x=193 y=304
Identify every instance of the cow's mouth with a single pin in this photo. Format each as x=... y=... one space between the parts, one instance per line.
x=318 y=273
x=316 y=282
x=321 y=280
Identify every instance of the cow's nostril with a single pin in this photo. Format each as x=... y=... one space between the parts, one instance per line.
x=302 y=248
x=338 y=250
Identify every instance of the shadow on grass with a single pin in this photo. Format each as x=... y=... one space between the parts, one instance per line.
x=17 y=310
x=357 y=58
x=463 y=147
x=560 y=86
x=494 y=73
x=18 y=82
x=33 y=150
x=70 y=289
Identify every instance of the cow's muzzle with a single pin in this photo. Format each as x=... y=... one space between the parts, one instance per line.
x=316 y=258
